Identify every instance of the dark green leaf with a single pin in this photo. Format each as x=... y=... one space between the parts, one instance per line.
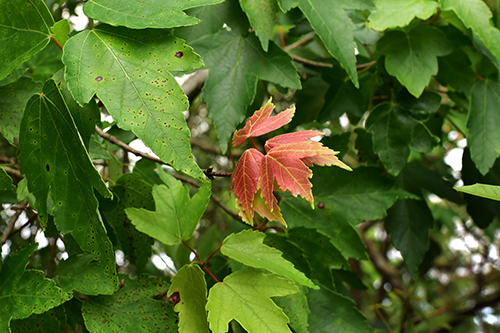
x=235 y=64
x=24 y=292
x=82 y=274
x=332 y=312
x=395 y=132
x=296 y=309
x=135 y=65
x=408 y=222
x=132 y=308
x=145 y=14
x=342 y=97
x=484 y=115
x=412 y=56
x=13 y=99
x=24 y=30
x=131 y=191
x=54 y=160
x=6 y=181
x=463 y=79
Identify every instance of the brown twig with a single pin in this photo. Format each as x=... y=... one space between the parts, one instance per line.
x=310 y=62
x=136 y=152
x=379 y=313
x=12 y=221
x=301 y=41
x=55 y=41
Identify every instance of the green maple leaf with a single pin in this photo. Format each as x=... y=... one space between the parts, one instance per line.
x=476 y=15
x=191 y=288
x=129 y=72
x=236 y=63
x=84 y=275
x=24 y=31
x=245 y=296
x=335 y=28
x=412 y=56
x=132 y=308
x=158 y=14
x=61 y=30
x=333 y=312
x=262 y=15
x=5 y=181
x=176 y=215
x=247 y=248
x=13 y=99
x=53 y=158
x=408 y=222
x=24 y=292
x=484 y=115
x=363 y=194
x=131 y=192
x=396 y=129
x=395 y=13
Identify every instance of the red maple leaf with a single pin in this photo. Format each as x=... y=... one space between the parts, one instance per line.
x=285 y=164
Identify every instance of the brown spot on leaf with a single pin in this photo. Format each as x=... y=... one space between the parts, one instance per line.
x=179 y=54
x=321 y=205
x=175 y=298
x=98 y=79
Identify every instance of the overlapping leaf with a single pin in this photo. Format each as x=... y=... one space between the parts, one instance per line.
x=262 y=15
x=236 y=63
x=5 y=181
x=176 y=215
x=395 y=13
x=335 y=28
x=129 y=72
x=484 y=115
x=54 y=159
x=24 y=292
x=158 y=14
x=24 y=31
x=13 y=99
x=476 y=15
x=84 y=275
x=245 y=296
x=296 y=308
x=191 y=288
x=412 y=56
x=247 y=248
x=132 y=308
x=482 y=190
x=285 y=162
x=396 y=129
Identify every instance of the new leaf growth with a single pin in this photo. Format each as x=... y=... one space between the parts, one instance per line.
x=283 y=167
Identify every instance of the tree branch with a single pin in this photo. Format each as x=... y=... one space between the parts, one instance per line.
x=12 y=221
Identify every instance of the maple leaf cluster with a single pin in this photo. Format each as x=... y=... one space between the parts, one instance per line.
x=284 y=164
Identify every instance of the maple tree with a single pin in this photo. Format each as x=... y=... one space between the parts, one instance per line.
x=344 y=131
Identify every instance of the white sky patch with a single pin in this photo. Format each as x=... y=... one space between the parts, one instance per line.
x=454 y=159
x=41 y=239
x=344 y=121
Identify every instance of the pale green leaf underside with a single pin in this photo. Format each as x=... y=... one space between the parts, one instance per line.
x=190 y=283
x=132 y=308
x=129 y=72
x=13 y=99
x=235 y=64
x=245 y=296
x=54 y=159
x=24 y=31
x=24 y=292
x=247 y=248
x=396 y=13
x=484 y=116
x=482 y=190
x=158 y=14
x=412 y=57
x=335 y=29
x=476 y=15
x=176 y=215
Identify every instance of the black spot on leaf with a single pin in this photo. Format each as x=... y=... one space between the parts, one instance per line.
x=179 y=54
x=98 y=79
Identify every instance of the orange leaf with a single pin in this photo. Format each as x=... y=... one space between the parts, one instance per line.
x=295 y=137
x=245 y=177
x=272 y=213
x=261 y=123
